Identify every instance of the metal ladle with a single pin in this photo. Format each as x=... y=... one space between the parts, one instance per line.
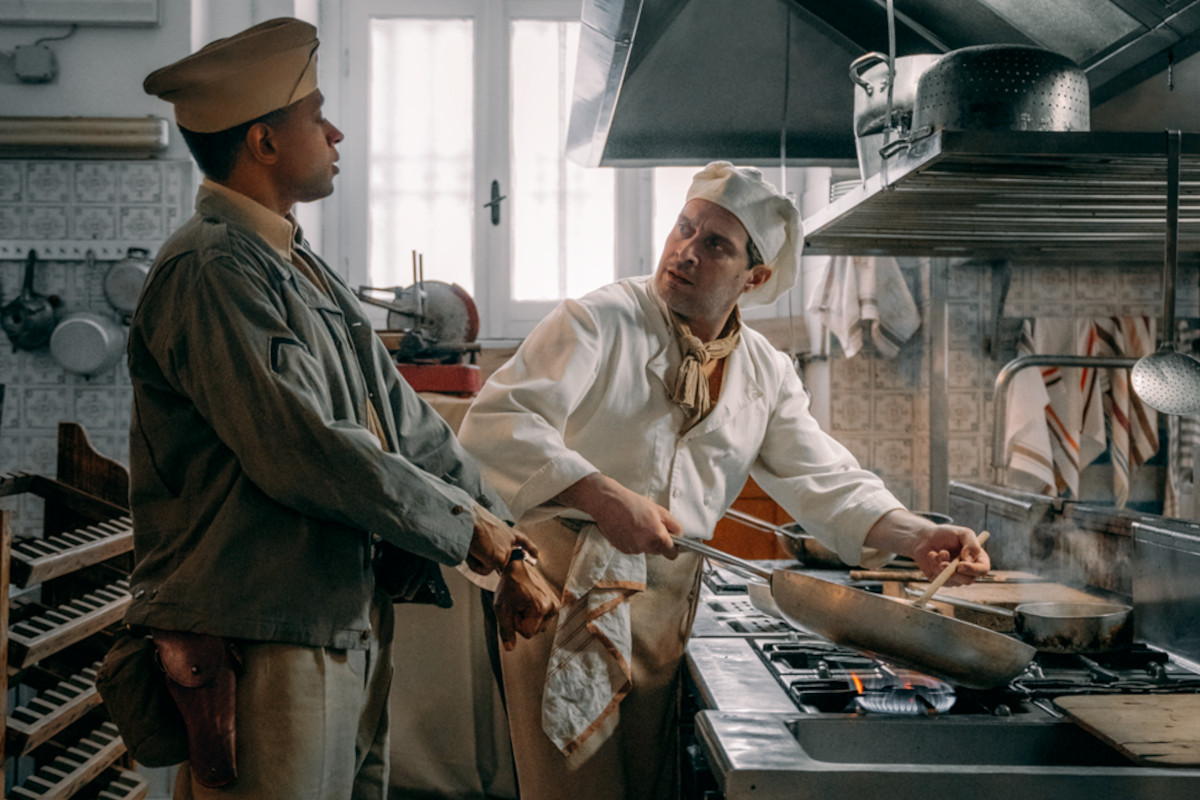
x=1167 y=380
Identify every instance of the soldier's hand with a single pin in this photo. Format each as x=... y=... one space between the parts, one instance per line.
x=524 y=601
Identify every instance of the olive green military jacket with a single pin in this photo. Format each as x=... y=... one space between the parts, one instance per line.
x=255 y=484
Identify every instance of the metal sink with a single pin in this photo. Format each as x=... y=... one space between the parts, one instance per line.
x=958 y=741
x=765 y=756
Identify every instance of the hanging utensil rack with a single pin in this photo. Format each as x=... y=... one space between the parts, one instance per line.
x=1046 y=197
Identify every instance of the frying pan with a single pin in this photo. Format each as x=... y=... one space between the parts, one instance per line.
x=956 y=651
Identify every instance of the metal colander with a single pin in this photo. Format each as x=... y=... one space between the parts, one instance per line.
x=1003 y=87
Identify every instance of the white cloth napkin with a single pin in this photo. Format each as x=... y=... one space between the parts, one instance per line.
x=589 y=670
x=862 y=290
x=1028 y=455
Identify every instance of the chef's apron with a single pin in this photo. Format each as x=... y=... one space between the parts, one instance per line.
x=634 y=753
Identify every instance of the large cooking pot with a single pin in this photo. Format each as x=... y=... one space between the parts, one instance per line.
x=871 y=78
x=1003 y=87
x=896 y=631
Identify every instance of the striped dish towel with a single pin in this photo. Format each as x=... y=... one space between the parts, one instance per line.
x=589 y=670
x=1132 y=425
x=1028 y=457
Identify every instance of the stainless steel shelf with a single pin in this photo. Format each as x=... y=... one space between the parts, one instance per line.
x=1014 y=194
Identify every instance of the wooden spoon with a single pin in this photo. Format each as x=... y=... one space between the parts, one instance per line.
x=943 y=576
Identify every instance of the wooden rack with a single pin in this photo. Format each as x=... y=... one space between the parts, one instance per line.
x=64 y=594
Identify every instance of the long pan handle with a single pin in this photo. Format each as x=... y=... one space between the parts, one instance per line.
x=721 y=556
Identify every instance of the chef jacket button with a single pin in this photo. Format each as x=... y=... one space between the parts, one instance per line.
x=458 y=510
x=365 y=635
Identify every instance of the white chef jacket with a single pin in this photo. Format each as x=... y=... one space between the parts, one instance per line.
x=587 y=392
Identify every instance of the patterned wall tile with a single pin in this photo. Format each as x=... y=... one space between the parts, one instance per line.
x=142 y=223
x=10 y=181
x=851 y=412
x=966 y=459
x=46 y=222
x=964 y=412
x=79 y=201
x=96 y=182
x=10 y=222
x=963 y=369
x=852 y=375
x=859 y=447
x=894 y=413
x=48 y=182
x=965 y=326
x=94 y=223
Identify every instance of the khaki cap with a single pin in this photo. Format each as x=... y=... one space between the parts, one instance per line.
x=234 y=80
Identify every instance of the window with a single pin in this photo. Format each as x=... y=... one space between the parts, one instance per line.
x=458 y=97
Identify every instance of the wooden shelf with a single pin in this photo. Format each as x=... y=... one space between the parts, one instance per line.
x=58 y=740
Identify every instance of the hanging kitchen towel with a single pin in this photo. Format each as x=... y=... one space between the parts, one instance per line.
x=1132 y=426
x=1075 y=415
x=1028 y=457
x=589 y=670
x=1183 y=447
x=860 y=290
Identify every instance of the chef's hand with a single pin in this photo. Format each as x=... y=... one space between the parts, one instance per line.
x=524 y=602
x=631 y=522
x=931 y=545
x=493 y=541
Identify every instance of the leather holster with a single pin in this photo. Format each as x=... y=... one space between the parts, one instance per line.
x=202 y=682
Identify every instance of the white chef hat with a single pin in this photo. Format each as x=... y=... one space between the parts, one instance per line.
x=770 y=218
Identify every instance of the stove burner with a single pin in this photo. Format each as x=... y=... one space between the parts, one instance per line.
x=827 y=695
x=905 y=692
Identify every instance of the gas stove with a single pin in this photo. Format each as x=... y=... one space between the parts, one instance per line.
x=794 y=715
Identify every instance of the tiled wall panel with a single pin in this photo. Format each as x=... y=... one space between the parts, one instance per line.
x=879 y=407
x=62 y=209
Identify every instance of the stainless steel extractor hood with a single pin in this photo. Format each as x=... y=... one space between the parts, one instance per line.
x=686 y=81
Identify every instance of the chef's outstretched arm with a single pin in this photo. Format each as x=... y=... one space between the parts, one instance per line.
x=631 y=522
x=931 y=545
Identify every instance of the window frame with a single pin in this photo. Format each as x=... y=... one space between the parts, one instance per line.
x=503 y=320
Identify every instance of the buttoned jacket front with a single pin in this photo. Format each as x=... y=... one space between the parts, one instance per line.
x=256 y=486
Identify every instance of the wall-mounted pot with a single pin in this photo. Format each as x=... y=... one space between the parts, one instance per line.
x=1003 y=87
x=124 y=279
x=87 y=343
x=29 y=319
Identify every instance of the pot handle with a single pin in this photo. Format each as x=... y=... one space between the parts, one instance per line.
x=863 y=63
x=721 y=556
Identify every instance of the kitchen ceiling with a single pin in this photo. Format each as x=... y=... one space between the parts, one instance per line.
x=685 y=81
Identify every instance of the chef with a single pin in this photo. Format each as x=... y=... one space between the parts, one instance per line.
x=285 y=481
x=636 y=414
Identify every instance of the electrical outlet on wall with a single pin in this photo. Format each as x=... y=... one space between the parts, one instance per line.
x=35 y=63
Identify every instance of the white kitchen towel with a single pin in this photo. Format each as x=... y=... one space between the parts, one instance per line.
x=589 y=670
x=1028 y=456
x=862 y=290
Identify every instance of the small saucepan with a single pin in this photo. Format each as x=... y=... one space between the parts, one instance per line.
x=1072 y=627
x=1075 y=627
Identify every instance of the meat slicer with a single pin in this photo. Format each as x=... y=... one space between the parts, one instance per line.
x=431 y=332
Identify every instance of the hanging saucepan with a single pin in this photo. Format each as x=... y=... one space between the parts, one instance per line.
x=1002 y=87
x=29 y=319
x=896 y=631
x=124 y=279
x=87 y=343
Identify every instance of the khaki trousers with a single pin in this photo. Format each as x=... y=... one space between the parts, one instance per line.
x=635 y=755
x=311 y=722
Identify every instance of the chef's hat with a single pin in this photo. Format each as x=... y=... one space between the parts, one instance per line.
x=234 y=80
x=770 y=218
